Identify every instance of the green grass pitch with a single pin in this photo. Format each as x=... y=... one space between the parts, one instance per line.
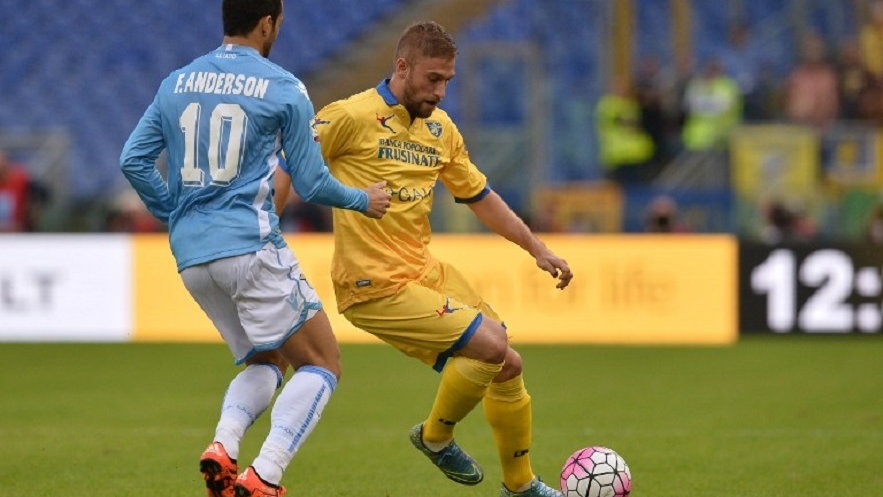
x=771 y=416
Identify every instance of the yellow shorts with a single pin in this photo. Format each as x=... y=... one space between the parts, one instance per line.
x=429 y=319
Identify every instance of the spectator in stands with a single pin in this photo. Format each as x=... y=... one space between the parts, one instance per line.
x=674 y=101
x=663 y=216
x=871 y=106
x=741 y=58
x=874 y=229
x=871 y=39
x=625 y=147
x=745 y=60
x=39 y=196
x=871 y=46
x=812 y=87
x=127 y=214
x=713 y=105
x=650 y=91
x=14 y=199
x=853 y=80
x=786 y=224
x=764 y=103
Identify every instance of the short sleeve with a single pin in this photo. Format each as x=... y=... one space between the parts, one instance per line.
x=334 y=130
x=460 y=176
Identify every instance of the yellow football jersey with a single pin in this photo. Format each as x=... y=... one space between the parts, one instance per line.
x=367 y=138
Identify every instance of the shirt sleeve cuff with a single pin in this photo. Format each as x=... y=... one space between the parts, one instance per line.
x=482 y=194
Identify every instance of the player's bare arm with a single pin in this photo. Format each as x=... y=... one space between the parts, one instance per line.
x=378 y=198
x=494 y=213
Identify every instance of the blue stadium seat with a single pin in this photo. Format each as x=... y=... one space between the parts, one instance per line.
x=94 y=68
x=566 y=33
x=653 y=30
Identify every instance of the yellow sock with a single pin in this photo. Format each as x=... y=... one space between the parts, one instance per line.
x=464 y=382
x=507 y=409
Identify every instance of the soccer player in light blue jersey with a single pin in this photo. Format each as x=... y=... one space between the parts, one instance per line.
x=224 y=119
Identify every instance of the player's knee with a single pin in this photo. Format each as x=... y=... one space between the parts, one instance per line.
x=497 y=353
x=512 y=367
x=488 y=344
x=495 y=342
x=336 y=370
x=330 y=360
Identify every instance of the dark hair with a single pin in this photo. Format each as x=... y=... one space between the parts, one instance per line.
x=428 y=39
x=241 y=16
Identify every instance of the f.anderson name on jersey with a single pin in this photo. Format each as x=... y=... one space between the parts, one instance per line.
x=221 y=83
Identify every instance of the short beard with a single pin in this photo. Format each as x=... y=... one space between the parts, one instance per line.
x=414 y=107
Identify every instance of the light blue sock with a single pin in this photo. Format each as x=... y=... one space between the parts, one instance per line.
x=247 y=397
x=295 y=413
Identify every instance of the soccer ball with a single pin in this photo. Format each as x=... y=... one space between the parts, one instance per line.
x=596 y=472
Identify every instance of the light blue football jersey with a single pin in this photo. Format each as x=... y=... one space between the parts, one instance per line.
x=224 y=119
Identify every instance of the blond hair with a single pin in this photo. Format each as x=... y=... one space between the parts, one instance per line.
x=427 y=39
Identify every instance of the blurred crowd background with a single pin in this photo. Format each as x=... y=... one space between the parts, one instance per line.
x=760 y=118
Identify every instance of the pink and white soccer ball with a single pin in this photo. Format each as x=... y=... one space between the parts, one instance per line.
x=596 y=472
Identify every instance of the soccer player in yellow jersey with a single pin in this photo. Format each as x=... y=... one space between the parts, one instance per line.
x=388 y=284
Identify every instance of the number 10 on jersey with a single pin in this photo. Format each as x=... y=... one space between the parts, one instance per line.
x=227 y=128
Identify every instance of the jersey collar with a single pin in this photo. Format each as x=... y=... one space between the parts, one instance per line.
x=237 y=49
x=386 y=93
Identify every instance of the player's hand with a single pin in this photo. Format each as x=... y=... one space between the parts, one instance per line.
x=556 y=266
x=378 y=200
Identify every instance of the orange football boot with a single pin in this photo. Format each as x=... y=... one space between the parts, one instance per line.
x=218 y=470
x=249 y=484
